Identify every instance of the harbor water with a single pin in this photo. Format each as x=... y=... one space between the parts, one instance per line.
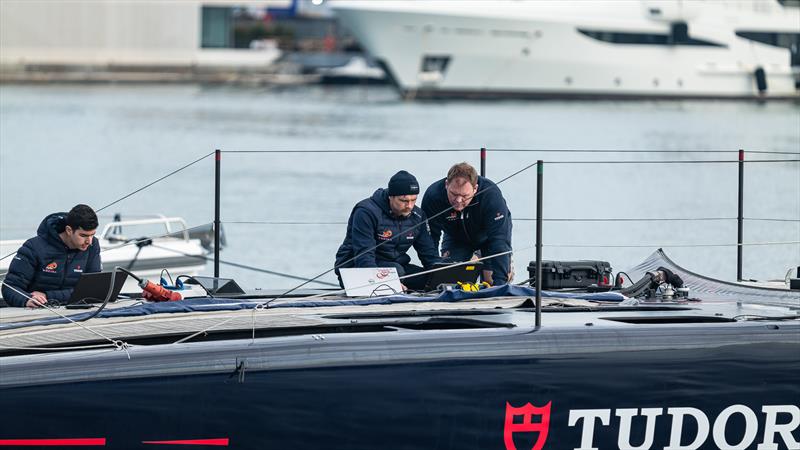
x=287 y=212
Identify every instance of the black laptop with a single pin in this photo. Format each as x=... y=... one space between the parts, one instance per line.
x=93 y=287
x=462 y=273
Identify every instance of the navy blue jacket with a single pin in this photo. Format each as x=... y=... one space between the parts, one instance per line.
x=486 y=221
x=371 y=223
x=44 y=263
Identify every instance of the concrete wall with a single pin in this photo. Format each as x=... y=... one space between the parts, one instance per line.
x=103 y=32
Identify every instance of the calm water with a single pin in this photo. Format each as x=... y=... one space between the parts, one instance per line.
x=65 y=144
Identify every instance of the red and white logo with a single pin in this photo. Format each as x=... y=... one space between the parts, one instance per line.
x=382 y=273
x=51 y=268
x=527 y=425
x=385 y=235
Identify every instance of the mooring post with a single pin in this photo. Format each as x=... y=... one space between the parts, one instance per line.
x=740 y=217
x=539 y=184
x=483 y=161
x=218 y=159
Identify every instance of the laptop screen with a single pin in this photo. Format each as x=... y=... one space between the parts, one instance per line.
x=452 y=274
x=370 y=281
x=93 y=287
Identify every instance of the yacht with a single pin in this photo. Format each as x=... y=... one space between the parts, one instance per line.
x=714 y=49
x=708 y=365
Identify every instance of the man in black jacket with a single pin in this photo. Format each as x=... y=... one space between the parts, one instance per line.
x=47 y=267
x=475 y=218
x=382 y=228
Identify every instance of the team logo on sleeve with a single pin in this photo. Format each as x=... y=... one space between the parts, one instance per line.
x=51 y=268
x=498 y=216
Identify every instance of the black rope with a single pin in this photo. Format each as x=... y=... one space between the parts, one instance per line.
x=154 y=182
x=243 y=266
x=528 y=219
x=506 y=150
x=699 y=161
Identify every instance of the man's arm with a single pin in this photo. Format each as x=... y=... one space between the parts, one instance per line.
x=434 y=226
x=497 y=223
x=20 y=275
x=423 y=244
x=363 y=238
x=94 y=262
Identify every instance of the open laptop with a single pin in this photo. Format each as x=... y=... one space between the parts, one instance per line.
x=463 y=273
x=93 y=287
x=370 y=281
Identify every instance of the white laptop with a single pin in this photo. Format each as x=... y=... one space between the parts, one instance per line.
x=370 y=281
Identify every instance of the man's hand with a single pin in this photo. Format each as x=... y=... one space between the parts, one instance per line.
x=487 y=277
x=37 y=300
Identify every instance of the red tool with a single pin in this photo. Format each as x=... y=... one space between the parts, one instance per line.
x=157 y=293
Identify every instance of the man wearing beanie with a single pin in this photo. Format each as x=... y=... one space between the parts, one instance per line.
x=382 y=228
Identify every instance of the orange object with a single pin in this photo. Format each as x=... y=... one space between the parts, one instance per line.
x=157 y=293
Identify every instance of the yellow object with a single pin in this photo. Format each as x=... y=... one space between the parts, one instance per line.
x=469 y=287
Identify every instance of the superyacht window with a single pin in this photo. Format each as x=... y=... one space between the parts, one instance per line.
x=623 y=37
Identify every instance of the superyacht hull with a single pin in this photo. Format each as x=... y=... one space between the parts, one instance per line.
x=576 y=50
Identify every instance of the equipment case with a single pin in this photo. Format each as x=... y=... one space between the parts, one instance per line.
x=572 y=274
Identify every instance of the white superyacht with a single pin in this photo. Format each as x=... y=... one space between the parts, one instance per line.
x=583 y=49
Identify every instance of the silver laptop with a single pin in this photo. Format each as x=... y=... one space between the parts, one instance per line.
x=370 y=281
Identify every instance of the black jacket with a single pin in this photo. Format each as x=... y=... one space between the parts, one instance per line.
x=371 y=222
x=44 y=263
x=485 y=221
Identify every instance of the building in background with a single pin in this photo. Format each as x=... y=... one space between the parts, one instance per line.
x=158 y=40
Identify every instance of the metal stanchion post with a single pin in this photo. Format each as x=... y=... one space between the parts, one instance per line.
x=218 y=159
x=539 y=183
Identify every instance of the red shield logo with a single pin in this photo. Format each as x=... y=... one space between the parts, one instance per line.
x=527 y=425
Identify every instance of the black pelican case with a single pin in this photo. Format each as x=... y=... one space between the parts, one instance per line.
x=572 y=274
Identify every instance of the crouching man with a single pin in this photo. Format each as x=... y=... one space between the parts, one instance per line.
x=381 y=229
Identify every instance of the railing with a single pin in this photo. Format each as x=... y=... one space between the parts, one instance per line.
x=113 y=229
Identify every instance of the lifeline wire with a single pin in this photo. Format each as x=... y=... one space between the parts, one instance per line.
x=397 y=236
x=508 y=150
x=117 y=343
x=264 y=305
x=243 y=266
x=139 y=190
x=156 y=181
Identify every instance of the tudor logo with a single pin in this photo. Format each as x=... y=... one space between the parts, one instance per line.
x=527 y=425
x=778 y=422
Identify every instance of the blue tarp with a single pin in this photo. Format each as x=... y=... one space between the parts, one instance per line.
x=229 y=304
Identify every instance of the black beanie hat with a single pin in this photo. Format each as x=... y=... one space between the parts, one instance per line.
x=403 y=183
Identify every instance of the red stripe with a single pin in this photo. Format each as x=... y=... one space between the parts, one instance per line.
x=220 y=442
x=52 y=442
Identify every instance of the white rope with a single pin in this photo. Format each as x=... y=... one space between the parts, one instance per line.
x=47 y=349
x=117 y=343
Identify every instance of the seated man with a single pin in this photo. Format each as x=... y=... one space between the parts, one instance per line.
x=479 y=222
x=387 y=218
x=47 y=267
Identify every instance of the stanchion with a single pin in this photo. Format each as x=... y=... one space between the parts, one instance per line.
x=483 y=161
x=539 y=184
x=740 y=217
x=218 y=159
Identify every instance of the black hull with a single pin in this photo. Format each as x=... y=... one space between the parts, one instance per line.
x=446 y=404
